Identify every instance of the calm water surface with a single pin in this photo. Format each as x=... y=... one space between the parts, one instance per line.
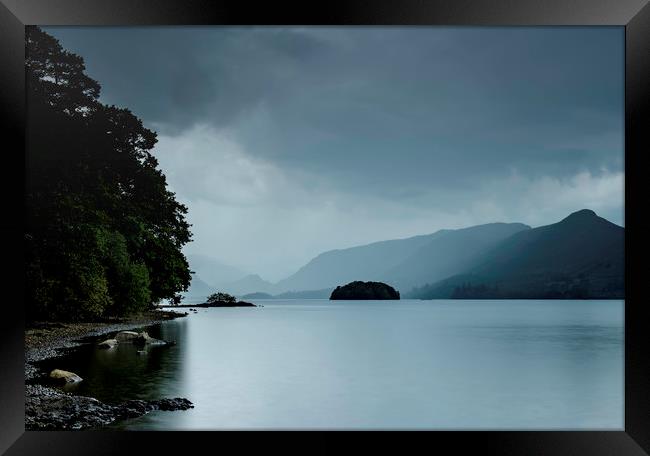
x=375 y=364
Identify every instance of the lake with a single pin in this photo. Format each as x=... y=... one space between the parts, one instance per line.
x=321 y=364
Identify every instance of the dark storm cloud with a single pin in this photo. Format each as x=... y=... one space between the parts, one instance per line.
x=175 y=77
x=476 y=99
x=471 y=124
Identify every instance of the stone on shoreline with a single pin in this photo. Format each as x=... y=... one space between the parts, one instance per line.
x=145 y=338
x=108 y=343
x=48 y=408
x=62 y=376
x=142 y=338
x=126 y=336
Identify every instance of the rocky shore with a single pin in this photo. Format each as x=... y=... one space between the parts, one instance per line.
x=51 y=409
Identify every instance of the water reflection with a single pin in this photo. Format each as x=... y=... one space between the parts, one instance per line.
x=127 y=371
x=375 y=365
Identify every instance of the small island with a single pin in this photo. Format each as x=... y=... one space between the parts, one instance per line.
x=218 y=300
x=364 y=290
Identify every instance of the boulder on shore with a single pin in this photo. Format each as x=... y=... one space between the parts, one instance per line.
x=142 y=338
x=145 y=338
x=108 y=343
x=126 y=336
x=62 y=376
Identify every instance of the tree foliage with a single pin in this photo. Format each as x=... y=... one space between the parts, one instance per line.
x=103 y=232
x=364 y=290
x=221 y=297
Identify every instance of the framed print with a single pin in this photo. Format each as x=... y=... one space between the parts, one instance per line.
x=424 y=216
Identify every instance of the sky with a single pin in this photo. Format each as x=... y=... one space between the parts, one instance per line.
x=285 y=142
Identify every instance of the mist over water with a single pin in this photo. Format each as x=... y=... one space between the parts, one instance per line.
x=376 y=365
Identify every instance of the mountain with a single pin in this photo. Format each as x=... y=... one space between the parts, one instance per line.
x=248 y=284
x=198 y=291
x=199 y=287
x=582 y=256
x=212 y=271
x=364 y=262
x=307 y=294
x=403 y=263
x=257 y=295
x=449 y=254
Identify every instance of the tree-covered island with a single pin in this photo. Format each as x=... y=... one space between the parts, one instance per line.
x=359 y=290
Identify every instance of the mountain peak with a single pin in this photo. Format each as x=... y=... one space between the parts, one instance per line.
x=583 y=214
x=252 y=277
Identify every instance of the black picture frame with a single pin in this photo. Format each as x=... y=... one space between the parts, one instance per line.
x=634 y=15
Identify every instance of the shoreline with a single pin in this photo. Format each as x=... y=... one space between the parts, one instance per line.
x=207 y=305
x=48 y=408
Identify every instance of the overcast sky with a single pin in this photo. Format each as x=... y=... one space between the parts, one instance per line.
x=286 y=142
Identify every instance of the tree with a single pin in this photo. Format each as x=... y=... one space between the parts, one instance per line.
x=175 y=300
x=221 y=297
x=103 y=232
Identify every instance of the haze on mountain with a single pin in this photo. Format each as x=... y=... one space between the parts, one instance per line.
x=211 y=271
x=452 y=252
x=580 y=256
x=404 y=263
x=211 y=275
x=306 y=294
x=248 y=284
x=198 y=289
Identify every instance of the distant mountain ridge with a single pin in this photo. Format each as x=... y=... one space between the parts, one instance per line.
x=449 y=254
x=582 y=256
x=251 y=282
x=212 y=271
x=403 y=263
x=364 y=262
x=199 y=288
x=305 y=294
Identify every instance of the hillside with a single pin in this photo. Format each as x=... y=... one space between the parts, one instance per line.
x=199 y=287
x=581 y=256
x=213 y=271
x=450 y=254
x=364 y=262
x=402 y=262
x=250 y=284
